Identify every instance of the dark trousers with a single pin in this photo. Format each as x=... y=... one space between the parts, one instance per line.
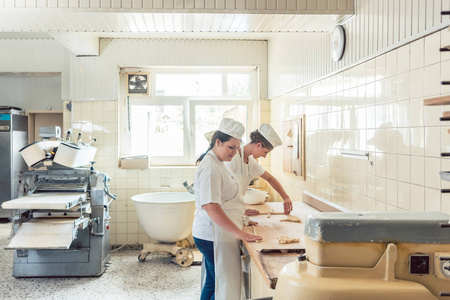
x=207 y=249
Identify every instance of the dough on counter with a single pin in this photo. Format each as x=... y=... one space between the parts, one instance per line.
x=291 y=219
x=287 y=240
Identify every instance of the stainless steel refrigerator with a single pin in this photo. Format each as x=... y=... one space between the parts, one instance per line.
x=13 y=137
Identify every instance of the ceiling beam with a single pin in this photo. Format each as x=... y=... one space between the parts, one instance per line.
x=79 y=43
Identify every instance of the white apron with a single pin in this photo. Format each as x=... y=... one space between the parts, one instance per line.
x=227 y=255
x=245 y=178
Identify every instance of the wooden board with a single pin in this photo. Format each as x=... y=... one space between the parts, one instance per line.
x=437 y=101
x=321 y=204
x=262 y=208
x=273 y=261
x=43 y=234
x=271 y=229
x=46 y=201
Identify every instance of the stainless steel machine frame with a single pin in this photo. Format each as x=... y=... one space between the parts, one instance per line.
x=89 y=251
x=13 y=136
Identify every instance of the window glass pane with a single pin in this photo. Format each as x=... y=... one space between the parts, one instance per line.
x=208 y=117
x=238 y=85
x=157 y=130
x=188 y=84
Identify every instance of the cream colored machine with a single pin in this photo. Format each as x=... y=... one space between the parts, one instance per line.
x=380 y=255
x=60 y=223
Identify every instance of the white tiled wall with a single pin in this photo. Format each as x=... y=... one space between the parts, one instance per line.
x=296 y=59
x=376 y=106
x=98 y=119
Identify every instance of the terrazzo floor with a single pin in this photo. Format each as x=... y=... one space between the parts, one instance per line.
x=126 y=278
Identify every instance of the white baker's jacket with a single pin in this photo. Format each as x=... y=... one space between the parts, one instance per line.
x=246 y=171
x=215 y=183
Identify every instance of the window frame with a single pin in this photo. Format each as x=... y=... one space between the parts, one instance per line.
x=194 y=103
x=188 y=103
x=157 y=101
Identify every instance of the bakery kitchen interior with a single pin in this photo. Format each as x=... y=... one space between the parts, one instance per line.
x=339 y=135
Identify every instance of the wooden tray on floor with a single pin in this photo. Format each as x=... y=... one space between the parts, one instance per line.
x=273 y=261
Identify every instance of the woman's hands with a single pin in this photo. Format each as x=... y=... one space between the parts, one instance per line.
x=216 y=213
x=287 y=204
x=242 y=235
x=251 y=212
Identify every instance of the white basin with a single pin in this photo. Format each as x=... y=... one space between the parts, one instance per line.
x=253 y=196
x=166 y=217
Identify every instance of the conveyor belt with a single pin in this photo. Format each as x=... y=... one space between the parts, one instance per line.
x=46 y=201
x=44 y=234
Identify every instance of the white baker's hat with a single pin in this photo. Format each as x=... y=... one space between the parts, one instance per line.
x=269 y=134
x=232 y=128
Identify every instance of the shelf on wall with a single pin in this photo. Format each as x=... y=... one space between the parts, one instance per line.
x=445 y=100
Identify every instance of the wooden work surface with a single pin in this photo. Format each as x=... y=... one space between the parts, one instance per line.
x=54 y=200
x=271 y=229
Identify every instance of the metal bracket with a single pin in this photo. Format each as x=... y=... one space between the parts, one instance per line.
x=22 y=253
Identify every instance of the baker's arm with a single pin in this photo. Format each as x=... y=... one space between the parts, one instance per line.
x=287 y=203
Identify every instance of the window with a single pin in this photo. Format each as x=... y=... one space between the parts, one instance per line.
x=207 y=118
x=164 y=129
x=188 y=84
x=169 y=125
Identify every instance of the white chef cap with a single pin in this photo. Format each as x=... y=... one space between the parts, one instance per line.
x=269 y=134
x=232 y=128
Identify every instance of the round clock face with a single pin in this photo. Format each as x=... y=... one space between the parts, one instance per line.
x=337 y=43
x=445 y=268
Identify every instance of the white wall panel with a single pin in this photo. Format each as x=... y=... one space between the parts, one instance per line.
x=31 y=56
x=97 y=77
x=31 y=92
x=372 y=101
x=36 y=56
x=378 y=25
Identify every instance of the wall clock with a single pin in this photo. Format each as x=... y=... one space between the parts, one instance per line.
x=338 y=43
x=138 y=84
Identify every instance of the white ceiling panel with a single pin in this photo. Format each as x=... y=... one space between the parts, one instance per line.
x=66 y=20
x=15 y=20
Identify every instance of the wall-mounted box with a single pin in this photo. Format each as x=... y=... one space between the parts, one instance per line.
x=134 y=162
x=294 y=146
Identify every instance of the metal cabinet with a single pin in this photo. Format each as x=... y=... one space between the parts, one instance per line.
x=13 y=137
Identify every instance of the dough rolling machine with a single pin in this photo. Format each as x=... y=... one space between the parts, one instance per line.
x=60 y=222
x=371 y=255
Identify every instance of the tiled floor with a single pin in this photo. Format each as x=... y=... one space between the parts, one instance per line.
x=126 y=278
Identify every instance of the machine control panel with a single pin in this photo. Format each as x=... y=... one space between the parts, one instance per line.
x=419 y=264
x=5 y=122
x=442 y=264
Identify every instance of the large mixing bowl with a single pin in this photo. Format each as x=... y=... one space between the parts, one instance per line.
x=254 y=196
x=165 y=217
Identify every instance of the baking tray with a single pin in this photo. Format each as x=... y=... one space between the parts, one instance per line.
x=273 y=261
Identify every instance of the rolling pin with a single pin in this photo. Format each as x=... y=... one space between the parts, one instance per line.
x=272 y=213
x=254 y=232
